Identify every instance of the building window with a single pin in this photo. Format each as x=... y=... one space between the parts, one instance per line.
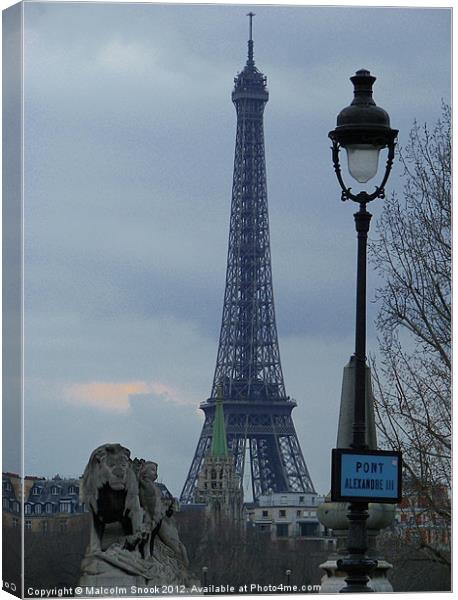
x=7 y=486
x=49 y=509
x=36 y=491
x=15 y=522
x=282 y=530
x=66 y=507
x=54 y=490
x=28 y=524
x=301 y=499
x=282 y=513
x=38 y=509
x=309 y=529
x=265 y=513
x=63 y=525
x=283 y=500
x=27 y=509
x=298 y=513
x=73 y=489
x=16 y=507
x=44 y=526
x=5 y=503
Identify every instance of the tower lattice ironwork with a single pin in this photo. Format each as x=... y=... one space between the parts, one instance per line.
x=248 y=369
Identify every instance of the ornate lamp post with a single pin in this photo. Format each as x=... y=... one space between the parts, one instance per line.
x=363 y=129
x=204 y=576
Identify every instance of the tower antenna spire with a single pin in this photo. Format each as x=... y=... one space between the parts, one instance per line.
x=251 y=15
x=250 y=41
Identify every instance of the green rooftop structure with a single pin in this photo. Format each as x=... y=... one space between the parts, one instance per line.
x=219 y=441
x=218 y=485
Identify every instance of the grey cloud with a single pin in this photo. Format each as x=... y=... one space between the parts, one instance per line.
x=129 y=147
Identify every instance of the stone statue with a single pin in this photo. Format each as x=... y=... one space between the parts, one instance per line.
x=158 y=518
x=134 y=539
x=110 y=491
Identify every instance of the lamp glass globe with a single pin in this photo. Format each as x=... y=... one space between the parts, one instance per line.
x=362 y=161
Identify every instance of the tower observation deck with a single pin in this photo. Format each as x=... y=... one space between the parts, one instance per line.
x=248 y=368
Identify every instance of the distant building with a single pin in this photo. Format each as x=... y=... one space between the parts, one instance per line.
x=50 y=505
x=287 y=515
x=218 y=485
x=166 y=496
x=420 y=517
x=11 y=499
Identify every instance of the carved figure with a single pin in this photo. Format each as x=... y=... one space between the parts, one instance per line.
x=116 y=490
x=110 y=490
x=159 y=518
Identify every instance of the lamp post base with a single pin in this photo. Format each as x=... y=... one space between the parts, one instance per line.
x=357 y=569
x=356 y=564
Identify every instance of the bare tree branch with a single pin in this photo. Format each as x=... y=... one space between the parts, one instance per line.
x=412 y=372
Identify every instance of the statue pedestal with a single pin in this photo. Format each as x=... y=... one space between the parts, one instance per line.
x=98 y=571
x=124 y=569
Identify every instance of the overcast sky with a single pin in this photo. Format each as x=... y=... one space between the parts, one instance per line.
x=129 y=144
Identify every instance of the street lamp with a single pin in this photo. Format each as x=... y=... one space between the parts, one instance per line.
x=204 y=576
x=363 y=129
x=288 y=576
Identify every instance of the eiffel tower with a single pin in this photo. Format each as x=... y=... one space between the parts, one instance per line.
x=256 y=408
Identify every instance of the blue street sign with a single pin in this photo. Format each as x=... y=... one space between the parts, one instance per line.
x=366 y=476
